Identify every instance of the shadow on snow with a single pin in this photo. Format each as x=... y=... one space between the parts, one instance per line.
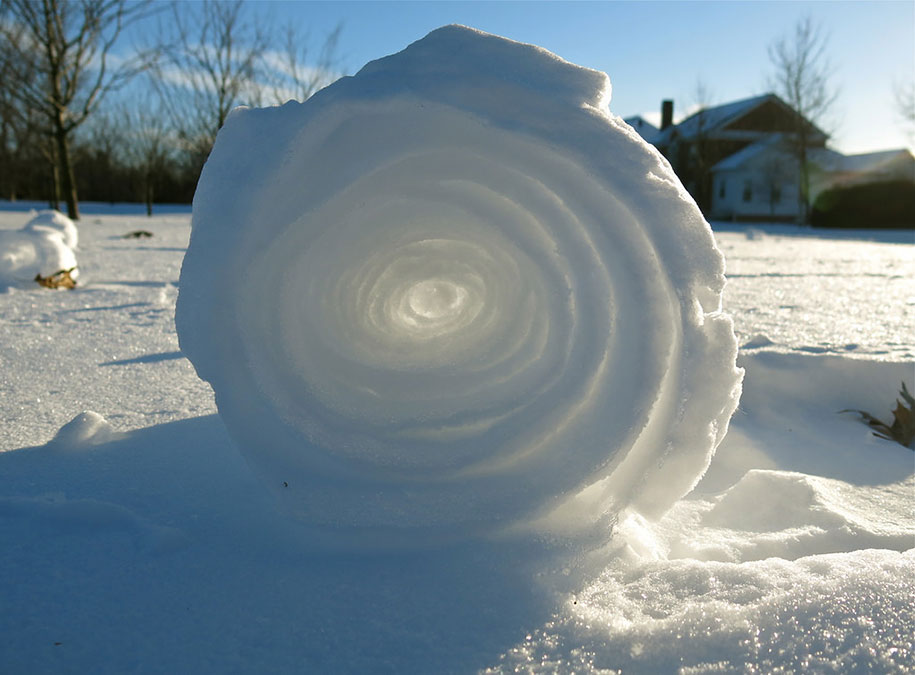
x=168 y=523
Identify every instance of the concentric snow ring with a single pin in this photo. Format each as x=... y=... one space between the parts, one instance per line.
x=446 y=318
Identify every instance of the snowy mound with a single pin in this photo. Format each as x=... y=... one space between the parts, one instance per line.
x=85 y=430
x=453 y=295
x=55 y=221
x=44 y=246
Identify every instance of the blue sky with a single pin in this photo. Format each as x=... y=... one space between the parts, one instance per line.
x=655 y=50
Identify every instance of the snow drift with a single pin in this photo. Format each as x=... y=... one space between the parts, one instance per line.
x=453 y=295
x=50 y=220
x=44 y=246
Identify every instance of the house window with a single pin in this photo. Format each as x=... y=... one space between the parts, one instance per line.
x=721 y=190
x=747 y=191
x=775 y=193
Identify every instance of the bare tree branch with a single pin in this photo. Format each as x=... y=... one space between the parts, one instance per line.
x=220 y=57
x=147 y=142
x=702 y=150
x=57 y=63
x=905 y=107
x=293 y=77
x=802 y=77
x=213 y=66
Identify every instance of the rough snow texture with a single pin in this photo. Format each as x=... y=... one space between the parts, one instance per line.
x=453 y=295
x=83 y=431
x=54 y=221
x=44 y=246
x=871 y=314
x=170 y=517
x=838 y=613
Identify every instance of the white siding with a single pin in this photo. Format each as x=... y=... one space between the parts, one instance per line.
x=753 y=194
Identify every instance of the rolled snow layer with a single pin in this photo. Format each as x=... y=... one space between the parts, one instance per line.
x=452 y=295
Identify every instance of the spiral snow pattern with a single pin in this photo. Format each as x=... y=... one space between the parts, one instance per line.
x=453 y=295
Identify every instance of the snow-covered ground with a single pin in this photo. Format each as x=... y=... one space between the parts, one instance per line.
x=139 y=541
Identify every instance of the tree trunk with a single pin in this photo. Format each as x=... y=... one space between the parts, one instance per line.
x=67 y=176
x=49 y=152
x=54 y=201
x=803 y=187
x=803 y=207
x=149 y=195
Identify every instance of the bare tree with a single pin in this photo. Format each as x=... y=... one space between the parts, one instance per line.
x=801 y=77
x=25 y=151
x=60 y=65
x=9 y=135
x=212 y=66
x=147 y=142
x=775 y=173
x=702 y=151
x=24 y=135
x=294 y=74
x=905 y=107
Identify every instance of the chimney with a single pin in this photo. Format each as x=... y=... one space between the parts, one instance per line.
x=667 y=113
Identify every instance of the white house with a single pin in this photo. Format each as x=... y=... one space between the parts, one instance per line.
x=760 y=182
x=737 y=161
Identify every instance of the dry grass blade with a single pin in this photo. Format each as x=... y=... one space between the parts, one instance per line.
x=61 y=279
x=902 y=429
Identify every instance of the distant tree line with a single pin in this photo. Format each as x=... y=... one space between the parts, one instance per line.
x=85 y=116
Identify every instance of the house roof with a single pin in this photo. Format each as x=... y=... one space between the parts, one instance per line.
x=718 y=117
x=863 y=163
x=645 y=129
x=739 y=159
x=824 y=158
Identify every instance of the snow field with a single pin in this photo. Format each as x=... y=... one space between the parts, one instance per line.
x=155 y=549
x=109 y=345
x=846 y=292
